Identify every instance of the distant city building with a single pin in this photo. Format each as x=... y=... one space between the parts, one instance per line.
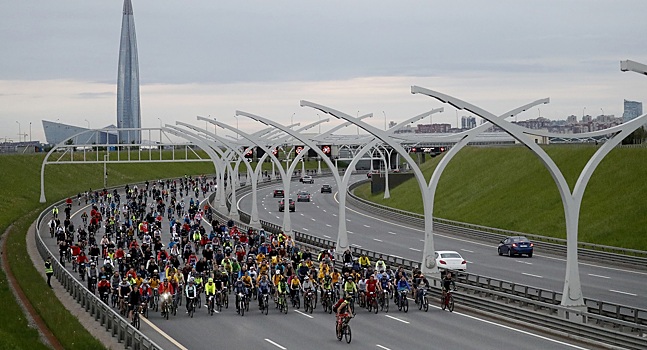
x=392 y=124
x=128 y=108
x=587 y=119
x=433 y=128
x=633 y=109
x=571 y=119
x=468 y=123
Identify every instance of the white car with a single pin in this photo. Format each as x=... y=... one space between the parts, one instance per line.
x=307 y=179
x=447 y=259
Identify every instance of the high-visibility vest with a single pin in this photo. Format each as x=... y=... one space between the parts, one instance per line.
x=48 y=267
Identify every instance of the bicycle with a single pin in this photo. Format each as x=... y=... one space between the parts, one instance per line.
x=384 y=300
x=296 y=301
x=191 y=307
x=167 y=305
x=283 y=305
x=371 y=302
x=210 y=304
x=307 y=302
x=240 y=304
x=219 y=301
x=343 y=328
x=403 y=302
x=447 y=301
x=135 y=322
x=423 y=303
x=156 y=299
x=326 y=301
x=114 y=298
x=265 y=303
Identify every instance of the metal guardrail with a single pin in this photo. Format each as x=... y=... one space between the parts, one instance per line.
x=590 y=251
x=118 y=327
x=602 y=323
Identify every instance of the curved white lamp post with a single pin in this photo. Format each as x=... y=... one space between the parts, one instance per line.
x=572 y=295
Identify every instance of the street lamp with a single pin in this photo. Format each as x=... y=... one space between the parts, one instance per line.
x=29 y=131
x=235 y=116
x=88 y=123
x=19 y=132
x=583 y=111
x=633 y=66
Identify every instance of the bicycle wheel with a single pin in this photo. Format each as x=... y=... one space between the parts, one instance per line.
x=266 y=307
x=285 y=307
x=443 y=302
x=405 y=307
x=426 y=304
x=375 y=307
x=386 y=304
x=339 y=332
x=136 y=321
x=451 y=303
x=246 y=304
x=419 y=303
x=166 y=312
x=347 y=334
x=241 y=308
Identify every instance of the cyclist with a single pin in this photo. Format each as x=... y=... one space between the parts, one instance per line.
x=191 y=292
x=93 y=275
x=372 y=289
x=134 y=299
x=295 y=287
x=350 y=288
x=307 y=286
x=263 y=288
x=209 y=290
x=403 y=285
x=418 y=279
x=380 y=265
x=282 y=287
x=239 y=288
x=247 y=279
x=342 y=311
x=361 y=288
x=103 y=286
x=165 y=291
x=447 y=283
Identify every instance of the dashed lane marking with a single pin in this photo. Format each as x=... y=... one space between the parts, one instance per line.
x=531 y=275
x=621 y=292
x=275 y=344
x=397 y=319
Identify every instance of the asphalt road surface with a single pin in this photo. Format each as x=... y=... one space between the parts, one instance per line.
x=416 y=329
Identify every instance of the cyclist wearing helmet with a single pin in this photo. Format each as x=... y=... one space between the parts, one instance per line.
x=350 y=288
x=191 y=292
x=209 y=290
x=263 y=288
x=342 y=311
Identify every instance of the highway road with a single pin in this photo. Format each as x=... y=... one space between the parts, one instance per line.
x=319 y=218
x=296 y=330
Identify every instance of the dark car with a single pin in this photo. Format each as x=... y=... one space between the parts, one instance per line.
x=370 y=173
x=303 y=196
x=515 y=245
x=326 y=188
x=279 y=194
x=282 y=204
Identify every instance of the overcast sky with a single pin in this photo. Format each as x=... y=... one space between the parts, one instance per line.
x=59 y=58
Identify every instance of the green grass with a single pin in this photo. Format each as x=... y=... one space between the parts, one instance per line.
x=509 y=188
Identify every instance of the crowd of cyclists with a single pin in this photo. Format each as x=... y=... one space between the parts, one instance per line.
x=119 y=250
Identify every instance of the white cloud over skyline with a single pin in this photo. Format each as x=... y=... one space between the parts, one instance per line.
x=212 y=58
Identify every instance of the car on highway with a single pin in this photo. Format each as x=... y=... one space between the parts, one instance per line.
x=307 y=179
x=515 y=245
x=448 y=259
x=370 y=173
x=303 y=196
x=279 y=193
x=282 y=205
x=325 y=188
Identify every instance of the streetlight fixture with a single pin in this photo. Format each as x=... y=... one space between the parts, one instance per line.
x=633 y=66
x=19 y=132
x=87 y=122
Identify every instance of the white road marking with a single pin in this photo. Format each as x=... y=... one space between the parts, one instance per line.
x=531 y=275
x=621 y=292
x=324 y=210
x=355 y=245
x=415 y=249
x=348 y=220
x=306 y=229
x=397 y=319
x=377 y=240
x=275 y=344
x=600 y=276
x=327 y=236
x=469 y=251
x=523 y=262
x=393 y=233
x=382 y=347
x=334 y=214
x=278 y=217
x=422 y=240
x=351 y=232
x=302 y=313
x=329 y=225
x=301 y=214
x=367 y=226
x=163 y=334
x=313 y=219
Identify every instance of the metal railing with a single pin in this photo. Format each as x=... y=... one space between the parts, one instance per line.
x=118 y=327
x=590 y=251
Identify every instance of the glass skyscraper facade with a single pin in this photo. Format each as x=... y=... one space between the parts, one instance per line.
x=128 y=108
x=633 y=109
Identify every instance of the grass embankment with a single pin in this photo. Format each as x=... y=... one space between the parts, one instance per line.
x=19 y=204
x=509 y=188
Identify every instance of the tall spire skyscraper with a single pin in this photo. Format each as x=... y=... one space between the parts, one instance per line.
x=128 y=109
